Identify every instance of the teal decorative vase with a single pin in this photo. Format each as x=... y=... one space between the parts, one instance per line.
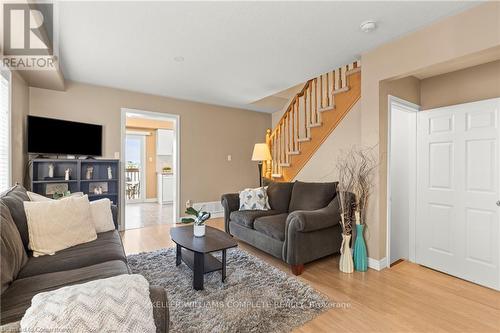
x=360 y=257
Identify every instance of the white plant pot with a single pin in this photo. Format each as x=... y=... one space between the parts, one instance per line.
x=199 y=230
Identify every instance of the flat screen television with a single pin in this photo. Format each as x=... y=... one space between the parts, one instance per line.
x=60 y=137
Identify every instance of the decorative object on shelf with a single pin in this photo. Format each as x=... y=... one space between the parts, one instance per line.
x=98 y=188
x=261 y=153
x=90 y=172
x=52 y=189
x=110 y=172
x=67 y=173
x=59 y=195
x=199 y=220
x=166 y=169
x=358 y=166
x=51 y=170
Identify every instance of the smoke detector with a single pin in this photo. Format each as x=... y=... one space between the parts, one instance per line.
x=368 y=26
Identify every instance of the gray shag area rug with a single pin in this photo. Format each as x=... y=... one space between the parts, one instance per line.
x=256 y=296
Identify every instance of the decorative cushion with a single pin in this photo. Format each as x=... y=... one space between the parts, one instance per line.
x=311 y=196
x=13 y=199
x=102 y=217
x=58 y=224
x=254 y=199
x=100 y=210
x=13 y=256
x=279 y=196
x=273 y=226
x=17 y=299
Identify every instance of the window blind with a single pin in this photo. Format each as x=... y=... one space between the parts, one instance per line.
x=4 y=130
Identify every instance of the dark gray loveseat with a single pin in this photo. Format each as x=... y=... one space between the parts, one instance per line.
x=23 y=276
x=302 y=225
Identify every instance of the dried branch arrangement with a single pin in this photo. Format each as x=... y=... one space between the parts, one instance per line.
x=356 y=168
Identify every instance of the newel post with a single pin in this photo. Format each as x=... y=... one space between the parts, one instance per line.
x=267 y=167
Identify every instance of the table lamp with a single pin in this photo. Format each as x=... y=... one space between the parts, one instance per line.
x=261 y=153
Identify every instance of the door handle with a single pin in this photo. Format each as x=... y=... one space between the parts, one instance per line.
x=498 y=203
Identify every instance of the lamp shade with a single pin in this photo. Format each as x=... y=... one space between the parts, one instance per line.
x=261 y=152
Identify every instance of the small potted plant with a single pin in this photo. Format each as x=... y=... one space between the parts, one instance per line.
x=199 y=220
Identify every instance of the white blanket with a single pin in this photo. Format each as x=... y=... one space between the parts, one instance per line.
x=116 y=304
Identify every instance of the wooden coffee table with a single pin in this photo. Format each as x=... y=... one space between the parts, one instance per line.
x=195 y=251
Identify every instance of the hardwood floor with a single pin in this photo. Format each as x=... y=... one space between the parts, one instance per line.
x=404 y=298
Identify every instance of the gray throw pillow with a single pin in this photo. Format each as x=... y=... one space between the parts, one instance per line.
x=11 y=246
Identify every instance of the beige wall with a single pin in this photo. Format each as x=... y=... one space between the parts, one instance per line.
x=208 y=133
x=20 y=109
x=463 y=38
x=467 y=85
x=321 y=167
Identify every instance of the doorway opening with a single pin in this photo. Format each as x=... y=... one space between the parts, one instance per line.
x=150 y=168
x=401 y=180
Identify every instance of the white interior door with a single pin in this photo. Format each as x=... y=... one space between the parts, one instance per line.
x=457 y=228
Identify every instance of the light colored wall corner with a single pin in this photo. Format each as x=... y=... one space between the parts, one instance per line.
x=321 y=166
x=208 y=133
x=467 y=85
x=19 y=111
x=466 y=36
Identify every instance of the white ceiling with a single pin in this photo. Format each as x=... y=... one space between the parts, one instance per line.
x=235 y=52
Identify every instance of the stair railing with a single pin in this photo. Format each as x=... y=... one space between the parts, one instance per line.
x=302 y=114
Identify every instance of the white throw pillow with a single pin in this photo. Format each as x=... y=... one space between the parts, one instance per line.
x=58 y=224
x=254 y=199
x=102 y=215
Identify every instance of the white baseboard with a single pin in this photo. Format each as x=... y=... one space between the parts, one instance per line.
x=377 y=265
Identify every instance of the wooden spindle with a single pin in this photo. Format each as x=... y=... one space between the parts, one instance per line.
x=321 y=91
x=327 y=89
x=345 y=74
x=340 y=78
x=315 y=85
x=292 y=110
x=311 y=116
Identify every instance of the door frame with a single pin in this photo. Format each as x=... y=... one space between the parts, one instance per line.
x=142 y=179
x=410 y=107
x=175 y=118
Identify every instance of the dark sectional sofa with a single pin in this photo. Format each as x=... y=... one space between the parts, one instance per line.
x=23 y=275
x=301 y=226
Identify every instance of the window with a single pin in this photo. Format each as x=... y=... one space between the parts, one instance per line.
x=5 y=167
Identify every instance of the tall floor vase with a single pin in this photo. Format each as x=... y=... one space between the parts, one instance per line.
x=346 y=264
x=360 y=257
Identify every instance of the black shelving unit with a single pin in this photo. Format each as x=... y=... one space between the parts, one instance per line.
x=39 y=173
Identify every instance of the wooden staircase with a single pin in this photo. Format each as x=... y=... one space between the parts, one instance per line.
x=309 y=119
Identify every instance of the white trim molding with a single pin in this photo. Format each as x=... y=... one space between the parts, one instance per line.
x=377 y=265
